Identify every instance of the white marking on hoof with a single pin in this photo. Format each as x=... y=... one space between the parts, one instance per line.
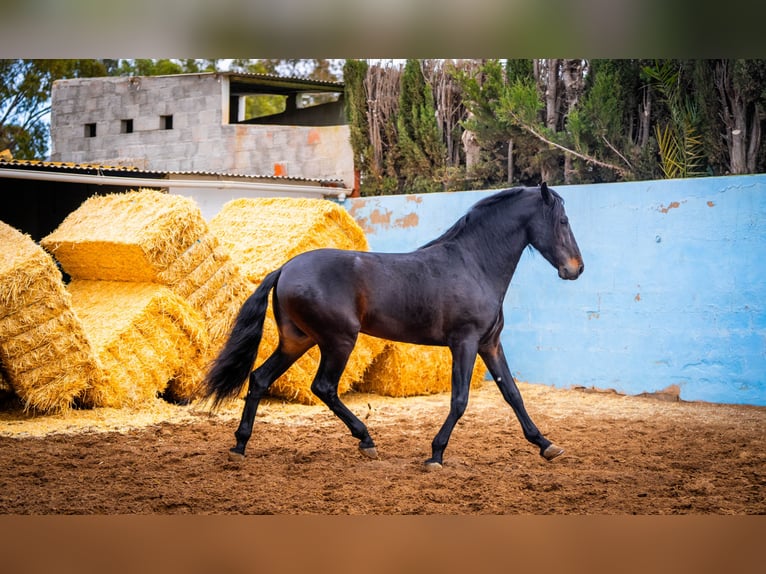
x=236 y=456
x=552 y=452
x=431 y=466
x=370 y=452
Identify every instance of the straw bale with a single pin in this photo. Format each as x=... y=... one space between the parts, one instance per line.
x=56 y=387
x=35 y=314
x=44 y=344
x=189 y=260
x=261 y=234
x=47 y=358
x=405 y=370
x=207 y=278
x=27 y=273
x=149 y=341
x=193 y=279
x=130 y=236
x=219 y=300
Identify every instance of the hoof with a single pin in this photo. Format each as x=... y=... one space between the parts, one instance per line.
x=235 y=456
x=369 y=452
x=432 y=465
x=552 y=452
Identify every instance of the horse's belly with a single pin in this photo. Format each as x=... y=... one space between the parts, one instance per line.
x=406 y=329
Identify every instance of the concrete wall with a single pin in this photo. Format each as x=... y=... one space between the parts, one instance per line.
x=201 y=138
x=674 y=289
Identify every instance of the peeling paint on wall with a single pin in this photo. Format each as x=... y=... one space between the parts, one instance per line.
x=409 y=220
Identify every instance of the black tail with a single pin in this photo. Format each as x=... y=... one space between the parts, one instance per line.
x=234 y=363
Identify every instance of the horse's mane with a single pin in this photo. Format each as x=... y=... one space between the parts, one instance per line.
x=477 y=211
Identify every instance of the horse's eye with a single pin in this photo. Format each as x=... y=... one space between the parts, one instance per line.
x=564 y=220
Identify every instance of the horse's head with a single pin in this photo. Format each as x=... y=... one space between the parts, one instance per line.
x=552 y=236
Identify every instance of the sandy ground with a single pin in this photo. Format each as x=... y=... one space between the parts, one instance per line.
x=624 y=455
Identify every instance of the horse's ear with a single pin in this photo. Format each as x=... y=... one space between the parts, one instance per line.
x=547 y=197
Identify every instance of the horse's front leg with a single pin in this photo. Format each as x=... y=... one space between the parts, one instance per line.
x=463 y=360
x=494 y=358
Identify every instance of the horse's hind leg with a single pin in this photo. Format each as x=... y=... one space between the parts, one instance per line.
x=325 y=386
x=260 y=381
x=494 y=359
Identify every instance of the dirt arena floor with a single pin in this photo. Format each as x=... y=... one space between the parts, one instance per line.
x=624 y=455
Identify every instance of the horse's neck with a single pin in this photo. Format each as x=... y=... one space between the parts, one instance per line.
x=494 y=259
x=503 y=260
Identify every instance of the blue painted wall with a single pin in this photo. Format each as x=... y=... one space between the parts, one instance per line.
x=674 y=289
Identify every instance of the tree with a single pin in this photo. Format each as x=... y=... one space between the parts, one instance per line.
x=741 y=86
x=162 y=67
x=25 y=89
x=678 y=138
x=354 y=74
x=423 y=153
x=380 y=176
x=611 y=121
x=482 y=87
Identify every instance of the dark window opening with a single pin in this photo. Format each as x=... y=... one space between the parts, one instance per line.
x=166 y=122
x=90 y=130
x=126 y=126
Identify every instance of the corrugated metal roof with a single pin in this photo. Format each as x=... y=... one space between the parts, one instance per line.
x=99 y=168
x=327 y=182
x=66 y=165
x=298 y=81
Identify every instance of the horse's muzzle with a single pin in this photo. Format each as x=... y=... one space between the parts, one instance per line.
x=572 y=269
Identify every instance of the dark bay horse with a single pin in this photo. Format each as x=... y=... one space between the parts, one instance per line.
x=448 y=292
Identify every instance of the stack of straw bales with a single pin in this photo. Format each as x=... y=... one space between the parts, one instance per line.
x=404 y=370
x=262 y=234
x=149 y=236
x=150 y=256
x=47 y=357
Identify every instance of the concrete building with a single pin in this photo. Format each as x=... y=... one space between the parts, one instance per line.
x=195 y=127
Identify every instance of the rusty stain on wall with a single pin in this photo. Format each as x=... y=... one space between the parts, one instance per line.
x=314 y=137
x=671 y=205
x=711 y=204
